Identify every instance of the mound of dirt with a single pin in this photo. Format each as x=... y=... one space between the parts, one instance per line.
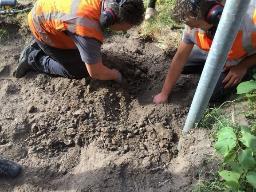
x=88 y=135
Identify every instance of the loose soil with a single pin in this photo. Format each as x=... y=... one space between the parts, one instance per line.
x=93 y=136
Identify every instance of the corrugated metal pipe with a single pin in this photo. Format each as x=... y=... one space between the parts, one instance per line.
x=229 y=25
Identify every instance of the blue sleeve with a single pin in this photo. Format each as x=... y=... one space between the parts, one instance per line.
x=186 y=37
x=89 y=48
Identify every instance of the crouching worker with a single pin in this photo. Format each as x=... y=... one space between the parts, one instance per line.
x=69 y=33
x=201 y=18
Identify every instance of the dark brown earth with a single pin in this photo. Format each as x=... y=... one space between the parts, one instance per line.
x=88 y=135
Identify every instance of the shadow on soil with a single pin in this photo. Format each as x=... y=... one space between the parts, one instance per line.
x=115 y=178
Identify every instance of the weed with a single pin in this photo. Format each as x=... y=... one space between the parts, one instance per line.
x=236 y=144
x=207 y=186
x=211 y=116
x=247 y=90
x=214 y=118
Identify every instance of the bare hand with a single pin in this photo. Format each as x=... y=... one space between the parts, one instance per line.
x=234 y=76
x=118 y=76
x=160 y=98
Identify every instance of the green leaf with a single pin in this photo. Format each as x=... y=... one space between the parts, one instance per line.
x=246 y=87
x=236 y=167
x=226 y=141
x=248 y=139
x=251 y=178
x=230 y=157
x=246 y=159
x=231 y=178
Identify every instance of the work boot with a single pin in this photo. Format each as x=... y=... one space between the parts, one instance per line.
x=23 y=65
x=9 y=169
x=150 y=12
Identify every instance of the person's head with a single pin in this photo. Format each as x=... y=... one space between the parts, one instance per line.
x=121 y=15
x=198 y=23
x=203 y=14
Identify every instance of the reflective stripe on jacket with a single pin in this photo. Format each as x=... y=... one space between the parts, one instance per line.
x=50 y=19
x=245 y=42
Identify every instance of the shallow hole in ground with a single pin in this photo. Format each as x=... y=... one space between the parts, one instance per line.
x=8 y=31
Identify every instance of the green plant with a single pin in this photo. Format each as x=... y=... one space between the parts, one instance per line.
x=247 y=87
x=247 y=90
x=236 y=144
x=238 y=148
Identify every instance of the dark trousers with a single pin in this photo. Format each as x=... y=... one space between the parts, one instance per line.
x=152 y=4
x=195 y=65
x=57 y=62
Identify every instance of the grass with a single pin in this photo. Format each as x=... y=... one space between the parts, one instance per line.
x=215 y=117
x=162 y=20
x=210 y=186
x=161 y=27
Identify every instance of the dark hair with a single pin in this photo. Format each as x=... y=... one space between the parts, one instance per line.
x=132 y=12
x=184 y=9
x=197 y=9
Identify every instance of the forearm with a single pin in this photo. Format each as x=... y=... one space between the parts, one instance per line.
x=248 y=62
x=176 y=67
x=102 y=72
x=107 y=74
x=173 y=74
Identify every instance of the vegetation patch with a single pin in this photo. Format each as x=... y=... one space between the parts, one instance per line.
x=162 y=28
x=235 y=143
x=237 y=146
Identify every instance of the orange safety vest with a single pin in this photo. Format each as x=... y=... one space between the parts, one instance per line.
x=245 y=42
x=50 y=19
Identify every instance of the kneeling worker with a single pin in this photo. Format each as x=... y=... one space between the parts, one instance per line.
x=202 y=18
x=69 y=34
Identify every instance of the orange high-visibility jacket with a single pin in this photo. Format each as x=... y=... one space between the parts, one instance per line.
x=245 y=42
x=50 y=19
